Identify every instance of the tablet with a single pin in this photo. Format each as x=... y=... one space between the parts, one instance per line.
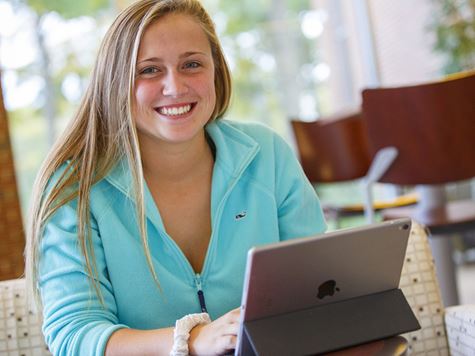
x=307 y=272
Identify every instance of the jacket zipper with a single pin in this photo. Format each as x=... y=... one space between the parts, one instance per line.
x=201 y=296
x=197 y=276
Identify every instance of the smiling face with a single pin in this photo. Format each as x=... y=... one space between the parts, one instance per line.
x=174 y=93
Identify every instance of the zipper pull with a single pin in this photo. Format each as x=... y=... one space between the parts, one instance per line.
x=201 y=296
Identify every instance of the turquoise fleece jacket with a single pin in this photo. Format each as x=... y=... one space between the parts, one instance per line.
x=260 y=195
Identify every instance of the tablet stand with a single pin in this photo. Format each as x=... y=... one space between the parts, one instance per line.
x=331 y=326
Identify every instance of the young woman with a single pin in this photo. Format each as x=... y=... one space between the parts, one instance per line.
x=146 y=207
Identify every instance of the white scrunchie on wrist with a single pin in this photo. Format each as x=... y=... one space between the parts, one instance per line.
x=181 y=333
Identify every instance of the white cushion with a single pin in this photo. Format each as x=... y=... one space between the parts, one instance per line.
x=460 y=324
x=20 y=327
x=419 y=285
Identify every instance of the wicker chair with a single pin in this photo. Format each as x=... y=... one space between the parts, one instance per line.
x=20 y=326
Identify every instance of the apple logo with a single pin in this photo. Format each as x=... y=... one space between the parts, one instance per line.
x=327 y=288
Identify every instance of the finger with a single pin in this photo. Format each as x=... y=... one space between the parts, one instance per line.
x=228 y=342
x=229 y=329
x=233 y=316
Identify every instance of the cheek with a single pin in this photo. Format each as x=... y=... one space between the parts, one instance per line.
x=207 y=90
x=142 y=101
x=145 y=93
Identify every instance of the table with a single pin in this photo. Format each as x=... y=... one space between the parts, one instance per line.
x=394 y=346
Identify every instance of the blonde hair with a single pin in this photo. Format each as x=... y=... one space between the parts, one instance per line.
x=103 y=132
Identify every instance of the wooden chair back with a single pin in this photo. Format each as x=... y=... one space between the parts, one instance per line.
x=333 y=149
x=432 y=126
x=12 y=240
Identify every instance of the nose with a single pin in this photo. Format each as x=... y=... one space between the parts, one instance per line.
x=174 y=84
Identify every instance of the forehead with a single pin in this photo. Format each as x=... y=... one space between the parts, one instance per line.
x=174 y=32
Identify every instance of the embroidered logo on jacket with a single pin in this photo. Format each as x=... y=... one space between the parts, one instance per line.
x=240 y=215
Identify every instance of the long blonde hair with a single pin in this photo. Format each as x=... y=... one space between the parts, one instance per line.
x=103 y=132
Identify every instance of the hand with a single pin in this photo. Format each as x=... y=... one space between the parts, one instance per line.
x=215 y=338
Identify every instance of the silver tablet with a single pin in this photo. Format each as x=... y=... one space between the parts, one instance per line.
x=307 y=272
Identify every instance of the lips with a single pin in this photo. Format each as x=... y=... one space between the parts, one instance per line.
x=175 y=110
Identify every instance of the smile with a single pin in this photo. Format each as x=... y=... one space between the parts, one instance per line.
x=174 y=110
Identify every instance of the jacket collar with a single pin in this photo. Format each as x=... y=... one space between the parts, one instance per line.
x=234 y=152
x=234 y=148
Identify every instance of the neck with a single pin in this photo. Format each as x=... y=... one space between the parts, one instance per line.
x=175 y=162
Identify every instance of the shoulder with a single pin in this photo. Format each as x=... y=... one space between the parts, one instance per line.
x=63 y=186
x=55 y=182
x=265 y=137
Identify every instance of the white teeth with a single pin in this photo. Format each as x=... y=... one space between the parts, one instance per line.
x=175 y=111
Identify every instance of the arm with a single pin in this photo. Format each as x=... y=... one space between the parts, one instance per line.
x=130 y=342
x=300 y=213
x=217 y=337
x=74 y=320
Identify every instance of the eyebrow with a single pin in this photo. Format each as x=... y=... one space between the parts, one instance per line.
x=184 y=55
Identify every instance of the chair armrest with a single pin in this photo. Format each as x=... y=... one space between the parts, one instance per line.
x=460 y=325
x=382 y=160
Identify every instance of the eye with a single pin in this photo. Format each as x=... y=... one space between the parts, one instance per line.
x=192 y=65
x=148 y=70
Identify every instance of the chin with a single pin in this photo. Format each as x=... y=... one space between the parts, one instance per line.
x=181 y=137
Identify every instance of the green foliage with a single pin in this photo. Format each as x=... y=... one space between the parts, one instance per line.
x=454 y=26
x=68 y=8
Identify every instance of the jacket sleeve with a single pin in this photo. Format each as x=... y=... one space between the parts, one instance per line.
x=75 y=322
x=299 y=210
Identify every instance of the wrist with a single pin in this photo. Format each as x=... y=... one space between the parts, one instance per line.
x=194 y=334
x=181 y=333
